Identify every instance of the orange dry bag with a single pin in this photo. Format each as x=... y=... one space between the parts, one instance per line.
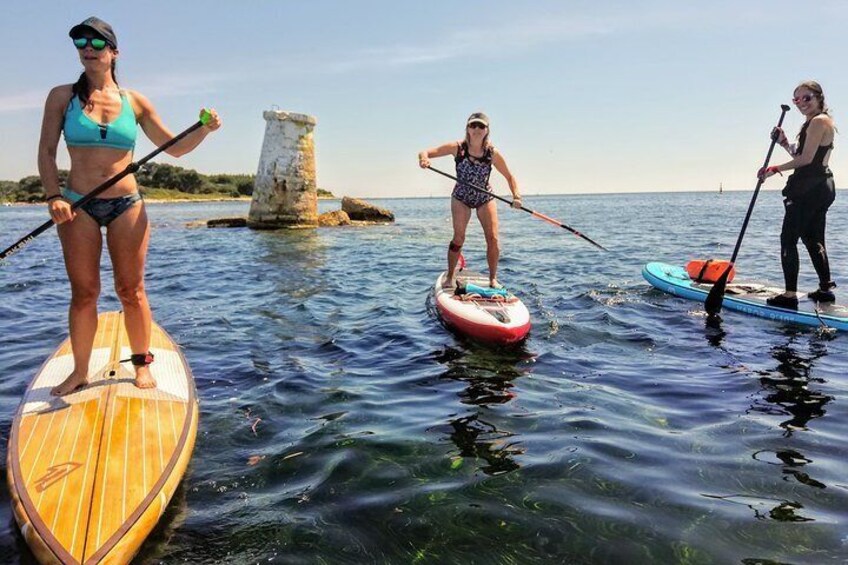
x=709 y=270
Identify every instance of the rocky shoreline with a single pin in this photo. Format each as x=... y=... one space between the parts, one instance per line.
x=171 y=200
x=354 y=212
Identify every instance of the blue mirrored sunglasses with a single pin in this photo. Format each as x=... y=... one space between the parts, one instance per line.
x=96 y=43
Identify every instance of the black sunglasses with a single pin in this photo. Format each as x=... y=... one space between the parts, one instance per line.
x=477 y=125
x=96 y=43
x=805 y=98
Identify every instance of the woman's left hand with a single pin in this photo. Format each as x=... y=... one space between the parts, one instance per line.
x=516 y=202
x=215 y=120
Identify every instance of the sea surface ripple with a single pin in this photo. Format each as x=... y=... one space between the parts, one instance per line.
x=341 y=423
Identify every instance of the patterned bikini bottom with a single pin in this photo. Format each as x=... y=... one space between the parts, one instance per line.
x=103 y=210
x=471 y=197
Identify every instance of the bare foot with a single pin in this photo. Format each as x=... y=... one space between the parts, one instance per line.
x=143 y=378
x=493 y=283
x=73 y=383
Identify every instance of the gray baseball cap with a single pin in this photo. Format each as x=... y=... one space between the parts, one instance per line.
x=98 y=26
x=478 y=117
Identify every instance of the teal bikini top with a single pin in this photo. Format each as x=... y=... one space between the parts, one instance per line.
x=81 y=131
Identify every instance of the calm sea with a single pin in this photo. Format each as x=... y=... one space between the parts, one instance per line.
x=341 y=423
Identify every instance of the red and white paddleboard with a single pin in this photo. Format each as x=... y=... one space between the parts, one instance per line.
x=501 y=320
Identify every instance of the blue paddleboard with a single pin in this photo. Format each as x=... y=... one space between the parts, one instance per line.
x=747 y=297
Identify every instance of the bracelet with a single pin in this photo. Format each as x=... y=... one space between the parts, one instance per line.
x=49 y=198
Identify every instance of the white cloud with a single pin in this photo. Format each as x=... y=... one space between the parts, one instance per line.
x=524 y=35
x=161 y=86
x=519 y=35
x=32 y=100
x=154 y=86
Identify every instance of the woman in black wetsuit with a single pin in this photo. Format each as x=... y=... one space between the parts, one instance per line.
x=474 y=158
x=809 y=192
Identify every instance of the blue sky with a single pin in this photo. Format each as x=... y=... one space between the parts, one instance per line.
x=591 y=96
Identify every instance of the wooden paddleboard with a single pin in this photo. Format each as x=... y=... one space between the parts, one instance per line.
x=90 y=473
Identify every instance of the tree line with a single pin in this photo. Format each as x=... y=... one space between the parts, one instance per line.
x=151 y=176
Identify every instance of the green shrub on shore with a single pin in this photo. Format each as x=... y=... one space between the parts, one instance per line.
x=171 y=194
x=159 y=181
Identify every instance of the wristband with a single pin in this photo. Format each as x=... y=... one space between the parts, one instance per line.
x=55 y=196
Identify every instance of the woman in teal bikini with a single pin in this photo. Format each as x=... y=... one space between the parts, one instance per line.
x=100 y=121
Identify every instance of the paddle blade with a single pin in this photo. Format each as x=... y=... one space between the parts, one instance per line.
x=716 y=296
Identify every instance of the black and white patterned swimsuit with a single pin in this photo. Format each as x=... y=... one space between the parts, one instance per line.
x=475 y=171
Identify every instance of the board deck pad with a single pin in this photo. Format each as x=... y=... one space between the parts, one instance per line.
x=91 y=472
x=498 y=320
x=747 y=297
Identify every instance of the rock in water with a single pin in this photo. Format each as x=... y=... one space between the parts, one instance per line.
x=334 y=218
x=362 y=211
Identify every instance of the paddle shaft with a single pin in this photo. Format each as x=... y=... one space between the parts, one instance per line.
x=528 y=210
x=130 y=169
x=760 y=182
x=714 y=299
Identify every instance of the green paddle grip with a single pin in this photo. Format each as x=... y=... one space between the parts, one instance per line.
x=205 y=116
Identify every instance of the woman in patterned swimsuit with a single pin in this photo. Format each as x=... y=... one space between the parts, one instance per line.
x=474 y=160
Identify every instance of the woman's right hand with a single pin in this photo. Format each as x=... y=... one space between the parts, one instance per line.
x=779 y=136
x=60 y=211
x=423 y=161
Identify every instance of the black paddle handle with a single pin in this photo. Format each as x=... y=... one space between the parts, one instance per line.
x=477 y=188
x=130 y=169
x=716 y=295
x=783 y=109
x=134 y=167
x=528 y=210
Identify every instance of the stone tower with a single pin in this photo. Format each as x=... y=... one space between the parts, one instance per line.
x=285 y=191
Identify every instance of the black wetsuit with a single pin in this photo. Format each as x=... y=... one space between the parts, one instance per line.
x=809 y=193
